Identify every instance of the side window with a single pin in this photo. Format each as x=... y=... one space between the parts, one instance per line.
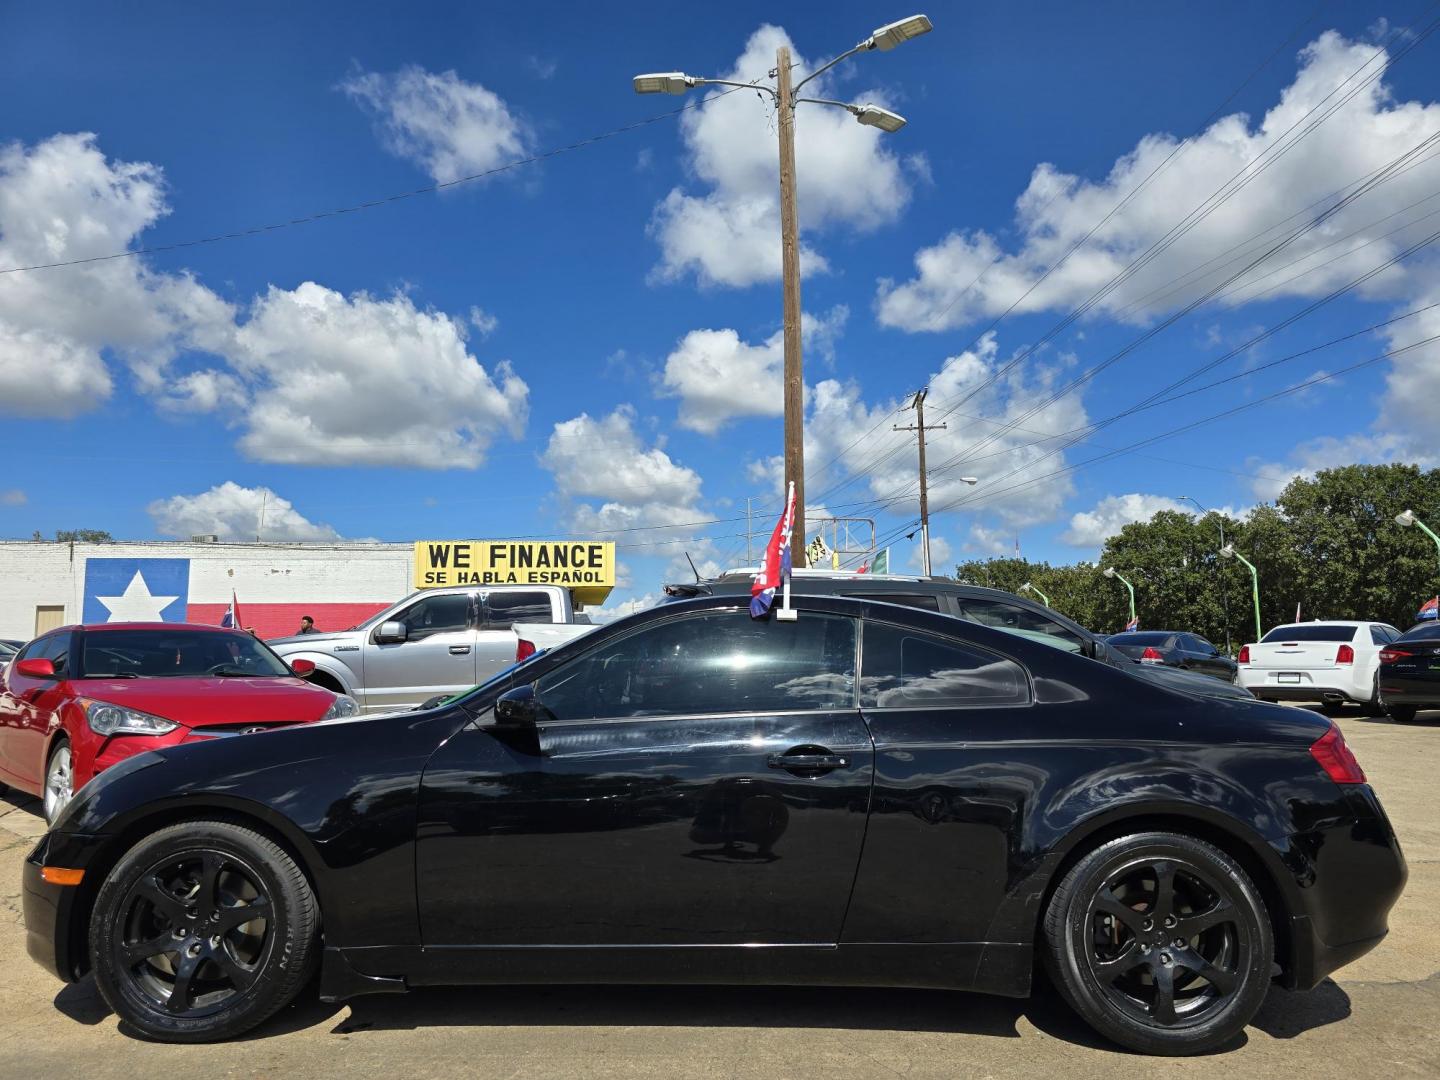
x=1379 y=635
x=1013 y=616
x=1196 y=644
x=908 y=670
x=504 y=609
x=720 y=662
x=55 y=648
x=923 y=601
x=437 y=615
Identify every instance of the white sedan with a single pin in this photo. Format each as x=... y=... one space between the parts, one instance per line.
x=1333 y=661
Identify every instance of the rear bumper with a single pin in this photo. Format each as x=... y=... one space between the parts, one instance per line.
x=1311 y=684
x=1349 y=875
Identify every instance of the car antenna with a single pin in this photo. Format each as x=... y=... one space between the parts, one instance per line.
x=692 y=568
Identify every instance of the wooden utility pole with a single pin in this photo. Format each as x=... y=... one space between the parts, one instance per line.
x=919 y=428
x=790 y=278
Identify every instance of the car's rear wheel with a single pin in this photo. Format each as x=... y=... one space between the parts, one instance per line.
x=202 y=931
x=1160 y=942
x=1402 y=714
x=1376 y=705
x=59 y=781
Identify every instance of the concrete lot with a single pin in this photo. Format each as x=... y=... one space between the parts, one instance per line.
x=1379 y=1017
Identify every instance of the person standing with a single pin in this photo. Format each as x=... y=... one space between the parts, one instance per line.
x=307 y=625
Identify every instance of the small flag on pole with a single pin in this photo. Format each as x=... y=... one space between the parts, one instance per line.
x=1430 y=609
x=231 y=619
x=881 y=565
x=1132 y=625
x=775 y=569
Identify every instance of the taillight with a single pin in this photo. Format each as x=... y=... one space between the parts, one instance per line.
x=524 y=650
x=1244 y=657
x=1151 y=653
x=1389 y=656
x=1336 y=759
x=1345 y=655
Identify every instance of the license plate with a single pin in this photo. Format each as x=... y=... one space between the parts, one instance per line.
x=1288 y=677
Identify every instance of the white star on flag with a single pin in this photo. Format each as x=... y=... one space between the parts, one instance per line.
x=136 y=604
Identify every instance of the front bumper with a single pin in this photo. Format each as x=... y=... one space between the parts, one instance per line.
x=1349 y=875
x=56 y=930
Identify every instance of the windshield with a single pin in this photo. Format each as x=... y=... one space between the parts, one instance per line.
x=501 y=674
x=157 y=653
x=1310 y=632
x=7 y=651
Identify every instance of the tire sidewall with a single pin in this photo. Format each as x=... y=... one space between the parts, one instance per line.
x=283 y=947
x=1083 y=990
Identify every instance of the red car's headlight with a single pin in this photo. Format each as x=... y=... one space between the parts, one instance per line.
x=109 y=719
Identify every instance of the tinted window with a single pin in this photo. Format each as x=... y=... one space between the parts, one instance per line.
x=437 y=615
x=1380 y=636
x=56 y=649
x=723 y=662
x=903 y=669
x=503 y=610
x=1311 y=632
x=171 y=653
x=1144 y=637
x=1424 y=632
x=923 y=601
x=1195 y=643
x=1012 y=616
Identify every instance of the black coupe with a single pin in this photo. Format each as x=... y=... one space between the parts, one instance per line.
x=867 y=795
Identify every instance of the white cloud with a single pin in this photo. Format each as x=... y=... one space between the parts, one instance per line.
x=730 y=233
x=719 y=378
x=971 y=275
x=941 y=554
x=62 y=199
x=361 y=380
x=1407 y=412
x=449 y=127
x=484 y=323
x=1091 y=528
x=845 y=436
x=984 y=540
x=1330 y=452
x=233 y=512
x=13 y=497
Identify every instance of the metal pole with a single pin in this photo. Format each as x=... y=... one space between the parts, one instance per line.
x=749 y=558
x=1426 y=530
x=1255 y=592
x=790 y=283
x=918 y=404
x=1224 y=586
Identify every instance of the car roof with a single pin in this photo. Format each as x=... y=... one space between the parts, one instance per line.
x=1329 y=622
x=738 y=580
x=184 y=628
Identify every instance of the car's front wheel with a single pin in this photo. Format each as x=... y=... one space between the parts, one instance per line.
x=59 y=781
x=1160 y=942
x=202 y=931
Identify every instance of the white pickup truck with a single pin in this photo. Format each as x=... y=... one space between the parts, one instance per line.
x=438 y=641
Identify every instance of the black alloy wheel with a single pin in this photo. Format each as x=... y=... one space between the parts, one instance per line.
x=202 y=931
x=1161 y=943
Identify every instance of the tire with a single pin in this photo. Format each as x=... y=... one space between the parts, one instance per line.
x=59 y=786
x=1376 y=705
x=165 y=923
x=1113 y=962
x=1402 y=714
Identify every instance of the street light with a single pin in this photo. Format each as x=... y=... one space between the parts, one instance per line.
x=1224 y=588
x=677 y=82
x=1111 y=572
x=1229 y=552
x=1407 y=518
x=1027 y=587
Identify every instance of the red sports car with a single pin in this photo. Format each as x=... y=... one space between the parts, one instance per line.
x=81 y=698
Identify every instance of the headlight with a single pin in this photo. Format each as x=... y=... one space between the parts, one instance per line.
x=108 y=719
x=344 y=705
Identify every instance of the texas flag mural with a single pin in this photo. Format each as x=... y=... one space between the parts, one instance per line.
x=204 y=590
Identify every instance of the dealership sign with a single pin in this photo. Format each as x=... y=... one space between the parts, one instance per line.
x=587 y=569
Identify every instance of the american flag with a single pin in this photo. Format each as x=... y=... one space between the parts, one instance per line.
x=1430 y=609
x=776 y=567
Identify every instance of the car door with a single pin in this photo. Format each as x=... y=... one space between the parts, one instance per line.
x=500 y=611
x=950 y=792
x=1208 y=658
x=30 y=706
x=702 y=779
x=436 y=657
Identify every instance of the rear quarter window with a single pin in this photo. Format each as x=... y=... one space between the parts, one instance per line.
x=904 y=669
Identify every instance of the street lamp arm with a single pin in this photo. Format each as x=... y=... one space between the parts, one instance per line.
x=700 y=81
x=862 y=47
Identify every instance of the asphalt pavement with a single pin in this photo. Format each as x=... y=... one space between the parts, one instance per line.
x=1378 y=1017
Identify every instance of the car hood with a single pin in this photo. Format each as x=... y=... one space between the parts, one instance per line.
x=200 y=702
x=1188 y=681
x=314 y=639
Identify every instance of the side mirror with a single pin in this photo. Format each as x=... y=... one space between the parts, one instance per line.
x=390 y=632
x=302 y=667
x=36 y=669
x=517 y=707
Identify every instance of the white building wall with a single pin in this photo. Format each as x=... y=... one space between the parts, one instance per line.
x=34 y=573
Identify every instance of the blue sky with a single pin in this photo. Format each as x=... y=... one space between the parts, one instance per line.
x=586 y=344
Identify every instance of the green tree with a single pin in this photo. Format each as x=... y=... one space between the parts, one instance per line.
x=82 y=536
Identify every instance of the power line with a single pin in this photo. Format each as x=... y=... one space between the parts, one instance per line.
x=386 y=200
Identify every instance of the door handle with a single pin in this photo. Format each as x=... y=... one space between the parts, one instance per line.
x=808 y=761
x=459 y=650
